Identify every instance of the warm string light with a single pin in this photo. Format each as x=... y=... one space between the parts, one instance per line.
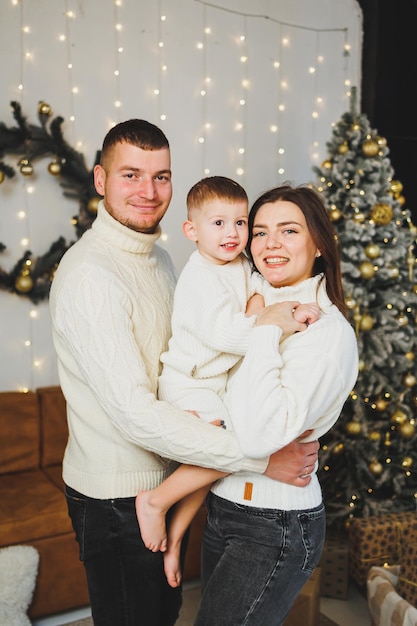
x=243 y=122
x=163 y=68
x=118 y=28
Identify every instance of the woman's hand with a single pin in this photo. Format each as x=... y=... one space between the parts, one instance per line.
x=281 y=314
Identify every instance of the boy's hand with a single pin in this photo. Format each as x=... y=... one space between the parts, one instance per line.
x=307 y=313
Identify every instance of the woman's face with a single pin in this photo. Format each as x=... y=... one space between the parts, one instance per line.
x=282 y=247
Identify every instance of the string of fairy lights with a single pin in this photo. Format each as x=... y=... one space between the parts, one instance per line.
x=206 y=38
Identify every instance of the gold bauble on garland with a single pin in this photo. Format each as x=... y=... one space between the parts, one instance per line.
x=54 y=168
x=335 y=214
x=26 y=167
x=367 y=270
x=407 y=462
x=381 y=141
x=399 y=417
x=343 y=148
x=44 y=108
x=367 y=322
x=376 y=468
x=407 y=430
x=381 y=213
x=372 y=251
x=24 y=282
x=381 y=404
x=410 y=356
x=374 y=436
x=353 y=427
x=327 y=164
x=409 y=380
x=396 y=188
x=370 y=147
x=92 y=205
x=359 y=217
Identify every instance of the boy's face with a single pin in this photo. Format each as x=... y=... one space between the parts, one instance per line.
x=220 y=229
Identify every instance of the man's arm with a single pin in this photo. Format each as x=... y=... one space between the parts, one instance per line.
x=293 y=463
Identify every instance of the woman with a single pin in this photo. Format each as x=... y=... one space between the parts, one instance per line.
x=263 y=539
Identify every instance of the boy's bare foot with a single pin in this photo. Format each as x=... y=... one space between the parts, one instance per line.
x=151 y=523
x=172 y=567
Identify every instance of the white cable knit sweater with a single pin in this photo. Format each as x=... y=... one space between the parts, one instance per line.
x=210 y=334
x=111 y=302
x=280 y=390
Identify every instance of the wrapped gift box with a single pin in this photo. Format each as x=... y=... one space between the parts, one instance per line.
x=334 y=566
x=379 y=540
x=306 y=609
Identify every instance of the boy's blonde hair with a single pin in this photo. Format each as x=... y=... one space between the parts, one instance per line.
x=214 y=188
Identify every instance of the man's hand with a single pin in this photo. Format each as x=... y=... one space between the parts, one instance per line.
x=294 y=463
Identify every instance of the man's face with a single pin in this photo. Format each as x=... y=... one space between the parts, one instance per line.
x=136 y=185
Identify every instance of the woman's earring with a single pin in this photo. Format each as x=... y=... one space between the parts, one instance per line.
x=318 y=253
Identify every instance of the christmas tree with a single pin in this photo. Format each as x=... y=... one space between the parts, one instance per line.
x=368 y=461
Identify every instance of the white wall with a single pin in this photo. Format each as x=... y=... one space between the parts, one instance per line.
x=296 y=77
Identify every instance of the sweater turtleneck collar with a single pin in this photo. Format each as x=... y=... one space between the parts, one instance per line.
x=311 y=290
x=121 y=236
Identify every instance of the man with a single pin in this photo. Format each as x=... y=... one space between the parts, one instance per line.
x=111 y=305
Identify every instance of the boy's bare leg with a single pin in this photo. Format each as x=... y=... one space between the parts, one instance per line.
x=182 y=516
x=152 y=506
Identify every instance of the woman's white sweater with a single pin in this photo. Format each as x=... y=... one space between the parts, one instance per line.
x=280 y=390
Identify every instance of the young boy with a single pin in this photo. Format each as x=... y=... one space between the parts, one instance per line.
x=215 y=308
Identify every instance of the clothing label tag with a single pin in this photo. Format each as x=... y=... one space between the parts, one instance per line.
x=247 y=494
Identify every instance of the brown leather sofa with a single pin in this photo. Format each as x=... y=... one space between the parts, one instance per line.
x=33 y=510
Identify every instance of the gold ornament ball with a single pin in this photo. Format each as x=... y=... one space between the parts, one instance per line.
x=402 y=319
x=26 y=170
x=336 y=215
x=372 y=251
x=24 y=282
x=399 y=417
x=338 y=448
x=1 y=177
x=381 y=404
x=401 y=200
x=374 y=436
x=381 y=213
x=92 y=205
x=409 y=380
x=396 y=188
x=414 y=288
x=367 y=322
x=407 y=430
x=414 y=400
x=54 y=168
x=394 y=272
x=327 y=164
x=353 y=428
x=350 y=303
x=410 y=356
x=370 y=147
x=44 y=108
x=361 y=365
x=343 y=148
x=407 y=462
x=359 y=217
x=381 y=141
x=376 y=468
x=366 y=270
x=355 y=126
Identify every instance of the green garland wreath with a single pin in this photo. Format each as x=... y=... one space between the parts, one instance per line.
x=31 y=277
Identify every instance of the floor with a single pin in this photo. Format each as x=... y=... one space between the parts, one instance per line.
x=344 y=612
